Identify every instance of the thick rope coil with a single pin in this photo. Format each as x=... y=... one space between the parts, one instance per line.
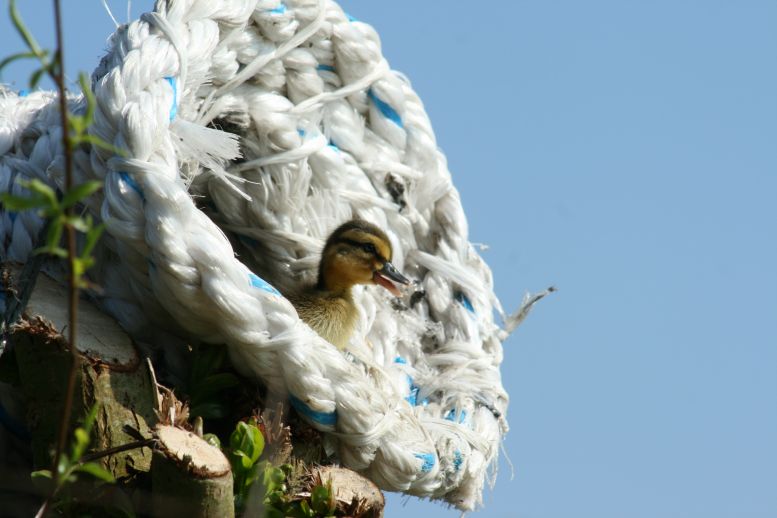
x=326 y=132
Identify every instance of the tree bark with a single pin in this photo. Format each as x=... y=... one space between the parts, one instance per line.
x=112 y=377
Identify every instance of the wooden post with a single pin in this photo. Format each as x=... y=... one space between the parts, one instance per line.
x=189 y=477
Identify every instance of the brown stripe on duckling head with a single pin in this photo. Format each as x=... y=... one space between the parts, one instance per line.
x=360 y=233
x=352 y=254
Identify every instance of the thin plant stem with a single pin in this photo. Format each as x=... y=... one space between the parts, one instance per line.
x=59 y=79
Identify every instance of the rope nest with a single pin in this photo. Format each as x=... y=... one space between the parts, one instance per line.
x=251 y=130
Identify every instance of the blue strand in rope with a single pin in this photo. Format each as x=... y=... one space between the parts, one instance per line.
x=174 y=107
x=451 y=415
x=126 y=178
x=414 y=389
x=278 y=10
x=464 y=301
x=385 y=109
x=429 y=461
x=458 y=460
x=324 y=418
x=258 y=282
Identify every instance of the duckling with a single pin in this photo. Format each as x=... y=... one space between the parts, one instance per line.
x=357 y=252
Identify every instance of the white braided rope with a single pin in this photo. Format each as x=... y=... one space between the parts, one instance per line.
x=328 y=133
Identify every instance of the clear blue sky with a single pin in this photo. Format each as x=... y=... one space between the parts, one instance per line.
x=625 y=152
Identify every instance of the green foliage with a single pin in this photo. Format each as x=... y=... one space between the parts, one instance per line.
x=59 y=210
x=212 y=439
x=79 y=123
x=246 y=445
x=45 y=200
x=70 y=466
x=48 y=65
x=207 y=384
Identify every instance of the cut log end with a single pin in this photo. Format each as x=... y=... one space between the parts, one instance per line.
x=191 y=453
x=99 y=338
x=355 y=495
x=189 y=477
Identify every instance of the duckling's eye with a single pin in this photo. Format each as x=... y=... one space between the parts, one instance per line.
x=369 y=248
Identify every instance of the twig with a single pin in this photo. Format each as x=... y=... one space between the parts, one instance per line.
x=59 y=79
x=117 y=449
x=44 y=508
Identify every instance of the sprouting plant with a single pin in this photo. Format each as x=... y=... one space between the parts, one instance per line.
x=58 y=215
x=59 y=211
x=34 y=51
x=246 y=445
x=72 y=466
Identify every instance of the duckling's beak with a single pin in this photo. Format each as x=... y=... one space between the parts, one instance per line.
x=389 y=273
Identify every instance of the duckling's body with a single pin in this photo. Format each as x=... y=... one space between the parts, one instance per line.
x=331 y=315
x=357 y=252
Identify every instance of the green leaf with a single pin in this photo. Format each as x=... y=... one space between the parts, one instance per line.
x=255 y=473
x=54 y=233
x=90 y=419
x=15 y=203
x=79 y=269
x=21 y=28
x=274 y=481
x=77 y=125
x=63 y=466
x=41 y=473
x=248 y=439
x=80 y=444
x=277 y=476
x=82 y=438
x=51 y=250
x=91 y=102
x=207 y=358
x=92 y=236
x=97 y=472
x=78 y=223
x=82 y=435
x=44 y=190
x=212 y=439
x=321 y=500
x=15 y=57
x=245 y=461
x=36 y=76
x=80 y=192
x=306 y=510
x=98 y=142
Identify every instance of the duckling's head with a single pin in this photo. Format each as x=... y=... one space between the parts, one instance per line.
x=358 y=252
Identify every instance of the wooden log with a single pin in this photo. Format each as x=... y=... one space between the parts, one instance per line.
x=354 y=494
x=189 y=477
x=111 y=376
